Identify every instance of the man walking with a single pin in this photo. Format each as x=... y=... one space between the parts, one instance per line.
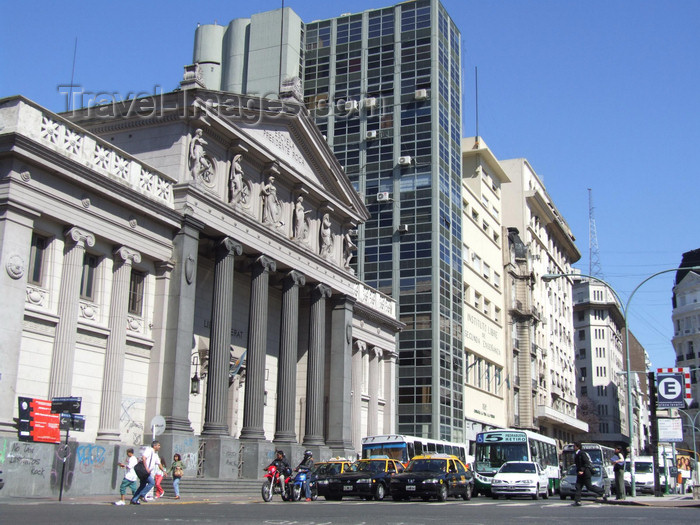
x=618 y=461
x=584 y=470
x=149 y=458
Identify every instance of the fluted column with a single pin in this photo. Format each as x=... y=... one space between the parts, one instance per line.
x=216 y=411
x=113 y=377
x=61 y=375
x=373 y=390
x=316 y=366
x=360 y=348
x=287 y=369
x=253 y=405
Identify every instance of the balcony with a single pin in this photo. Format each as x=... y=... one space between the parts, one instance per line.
x=550 y=415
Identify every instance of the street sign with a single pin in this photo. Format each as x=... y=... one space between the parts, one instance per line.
x=673 y=387
x=36 y=422
x=670 y=429
x=70 y=405
x=157 y=425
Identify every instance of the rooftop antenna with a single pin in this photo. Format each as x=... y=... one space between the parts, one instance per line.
x=72 y=74
x=594 y=267
x=476 y=103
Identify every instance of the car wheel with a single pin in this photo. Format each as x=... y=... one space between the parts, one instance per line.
x=442 y=493
x=494 y=496
x=380 y=492
x=562 y=496
x=536 y=495
x=546 y=494
x=467 y=493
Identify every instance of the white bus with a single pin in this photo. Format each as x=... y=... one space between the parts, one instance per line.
x=495 y=447
x=403 y=448
x=599 y=454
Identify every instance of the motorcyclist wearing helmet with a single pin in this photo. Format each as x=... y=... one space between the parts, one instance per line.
x=282 y=465
x=305 y=466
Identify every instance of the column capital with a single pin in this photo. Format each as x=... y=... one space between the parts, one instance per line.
x=126 y=255
x=266 y=263
x=295 y=278
x=323 y=290
x=376 y=351
x=80 y=236
x=361 y=346
x=232 y=246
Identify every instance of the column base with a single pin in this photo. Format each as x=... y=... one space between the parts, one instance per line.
x=215 y=429
x=252 y=434
x=184 y=443
x=108 y=436
x=256 y=455
x=285 y=437
x=177 y=425
x=313 y=441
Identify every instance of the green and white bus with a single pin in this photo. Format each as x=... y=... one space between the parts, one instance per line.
x=495 y=447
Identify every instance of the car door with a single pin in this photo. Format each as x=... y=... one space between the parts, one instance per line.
x=542 y=476
x=451 y=477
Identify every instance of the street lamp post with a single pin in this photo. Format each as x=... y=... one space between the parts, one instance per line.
x=625 y=310
x=695 y=451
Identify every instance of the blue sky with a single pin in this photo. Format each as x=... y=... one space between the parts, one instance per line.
x=602 y=94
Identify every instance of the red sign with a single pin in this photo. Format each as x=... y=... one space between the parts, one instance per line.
x=36 y=422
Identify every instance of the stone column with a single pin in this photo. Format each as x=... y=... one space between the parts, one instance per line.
x=316 y=367
x=61 y=375
x=360 y=349
x=113 y=377
x=179 y=332
x=253 y=405
x=390 y=358
x=216 y=412
x=287 y=369
x=373 y=390
x=340 y=421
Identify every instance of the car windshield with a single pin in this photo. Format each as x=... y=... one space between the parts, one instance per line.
x=518 y=468
x=643 y=468
x=329 y=469
x=368 y=466
x=427 y=465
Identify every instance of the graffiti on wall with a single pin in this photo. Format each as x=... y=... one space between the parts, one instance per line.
x=25 y=456
x=131 y=429
x=90 y=458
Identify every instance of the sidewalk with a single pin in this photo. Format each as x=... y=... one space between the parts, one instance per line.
x=669 y=500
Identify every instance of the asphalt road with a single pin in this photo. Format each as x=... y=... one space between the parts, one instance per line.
x=475 y=512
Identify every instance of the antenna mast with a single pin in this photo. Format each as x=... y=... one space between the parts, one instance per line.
x=594 y=267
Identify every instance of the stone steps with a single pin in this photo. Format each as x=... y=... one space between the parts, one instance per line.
x=213 y=487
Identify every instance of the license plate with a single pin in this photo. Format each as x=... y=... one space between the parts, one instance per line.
x=347 y=488
x=410 y=488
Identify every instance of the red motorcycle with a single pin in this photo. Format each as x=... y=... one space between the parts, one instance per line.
x=271 y=485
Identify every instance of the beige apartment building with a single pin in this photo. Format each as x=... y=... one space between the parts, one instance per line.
x=540 y=330
x=487 y=391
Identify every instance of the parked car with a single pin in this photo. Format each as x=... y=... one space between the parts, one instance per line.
x=433 y=476
x=520 y=478
x=599 y=478
x=366 y=478
x=643 y=475
x=323 y=470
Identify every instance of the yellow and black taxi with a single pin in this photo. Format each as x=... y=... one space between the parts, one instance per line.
x=327 y=469
x=366 y=478
x=433 y=476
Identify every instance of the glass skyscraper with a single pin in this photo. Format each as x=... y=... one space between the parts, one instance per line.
x=385 y=88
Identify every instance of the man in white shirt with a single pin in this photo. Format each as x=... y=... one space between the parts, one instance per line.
x=131 y=480
x=149 y=458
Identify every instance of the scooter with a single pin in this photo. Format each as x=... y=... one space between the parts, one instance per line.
x=271 y=485
x=297 y=485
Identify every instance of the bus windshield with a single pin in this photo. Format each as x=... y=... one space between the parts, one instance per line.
x=395 y=451
x=490 y=456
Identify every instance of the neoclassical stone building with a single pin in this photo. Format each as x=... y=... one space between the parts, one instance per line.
x=191 y=239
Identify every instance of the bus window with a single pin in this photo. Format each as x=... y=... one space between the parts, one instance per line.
x=440 y=448
x=419 y=449
x=411 y=450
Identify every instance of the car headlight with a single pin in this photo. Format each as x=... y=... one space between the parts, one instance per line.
x=322 y=482
x=432 y=480
x=364 y=480
x=497 y=482
x=565 y=483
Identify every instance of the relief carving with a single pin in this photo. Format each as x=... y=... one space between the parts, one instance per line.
x=301 y=221
x=272 y=207
x=239 y=189
x=326 y=237
x=201 y=164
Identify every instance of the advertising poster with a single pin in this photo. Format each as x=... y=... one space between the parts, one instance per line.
x=36 y=422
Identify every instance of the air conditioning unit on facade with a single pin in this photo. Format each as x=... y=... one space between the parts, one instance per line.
x=351 y=105
x=403 y=228
x=383 y=196
x=421 y=94
x=405 y=161
x=371 y=135
x=370 y=103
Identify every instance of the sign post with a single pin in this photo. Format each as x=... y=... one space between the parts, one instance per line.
x=67 y=408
